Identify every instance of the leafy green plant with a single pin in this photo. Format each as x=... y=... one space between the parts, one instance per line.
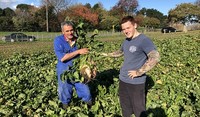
x=28 y=85
x=84 y=67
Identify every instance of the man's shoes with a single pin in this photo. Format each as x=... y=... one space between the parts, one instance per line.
x=65 y=106
x=89 y=103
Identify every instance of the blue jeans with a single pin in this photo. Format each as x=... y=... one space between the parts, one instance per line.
x=65 y=91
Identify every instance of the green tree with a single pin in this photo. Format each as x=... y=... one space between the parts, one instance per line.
x=183 y=12
x=154 y=15
x=152 y=22
x=102 y=15
x=88 y=5
x=198 y=4
x=98 y=6
x=40 y=17
x=1 y=12
x=108 y=22
x=6 y=23
x=8 y=12
x=149 y=23
x=24 y=7
x=24 y=19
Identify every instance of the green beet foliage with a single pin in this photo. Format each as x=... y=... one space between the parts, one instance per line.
x=28 y=85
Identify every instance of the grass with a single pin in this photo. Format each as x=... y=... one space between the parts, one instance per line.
x=7 y=49
x=39 y=35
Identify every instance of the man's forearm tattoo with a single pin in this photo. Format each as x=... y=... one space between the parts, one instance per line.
x=153 y=59
x=117 y=53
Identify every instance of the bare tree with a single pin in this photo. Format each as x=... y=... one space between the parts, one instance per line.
x=129 y=6
x=58 y=4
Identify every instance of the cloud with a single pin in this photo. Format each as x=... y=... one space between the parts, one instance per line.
x=8 y=3
x=13 y=3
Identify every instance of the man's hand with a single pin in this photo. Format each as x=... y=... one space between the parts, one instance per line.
x=117 y=53
x=132 y=73
x=104 y=54
x=83 y=51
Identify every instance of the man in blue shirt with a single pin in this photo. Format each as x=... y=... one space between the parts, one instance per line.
x=140 y=56
x=66 y=51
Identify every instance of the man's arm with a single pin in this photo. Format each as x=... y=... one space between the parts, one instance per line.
x=117 y=53
x=73 y=54
x=153 y=59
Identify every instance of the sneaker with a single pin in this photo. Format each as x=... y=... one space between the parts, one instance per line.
x=65 y=106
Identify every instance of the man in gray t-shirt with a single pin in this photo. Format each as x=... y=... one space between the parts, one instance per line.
x=140 y=56
x=135 y=55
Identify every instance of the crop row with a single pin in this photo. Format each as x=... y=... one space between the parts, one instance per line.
x=28 y=85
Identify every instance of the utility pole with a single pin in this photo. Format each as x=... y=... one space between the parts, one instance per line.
x=47 y=17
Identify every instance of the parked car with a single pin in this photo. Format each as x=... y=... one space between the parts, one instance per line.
x=168 y=30
x=18 y=37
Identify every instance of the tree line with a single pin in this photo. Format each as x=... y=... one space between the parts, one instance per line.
x=51 y=13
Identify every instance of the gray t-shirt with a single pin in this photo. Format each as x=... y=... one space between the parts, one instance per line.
x=135 y=55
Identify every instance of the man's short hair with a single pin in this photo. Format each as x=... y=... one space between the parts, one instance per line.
x=68 y=23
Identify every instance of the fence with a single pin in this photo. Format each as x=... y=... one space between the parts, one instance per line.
x=51 y=35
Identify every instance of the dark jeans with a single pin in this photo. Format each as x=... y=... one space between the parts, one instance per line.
x=132 y=99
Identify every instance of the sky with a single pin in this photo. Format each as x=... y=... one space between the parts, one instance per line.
x=161 y=5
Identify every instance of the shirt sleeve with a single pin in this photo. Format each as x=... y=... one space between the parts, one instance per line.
x=148 y=45
x=58 y=49
x=122 y=46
